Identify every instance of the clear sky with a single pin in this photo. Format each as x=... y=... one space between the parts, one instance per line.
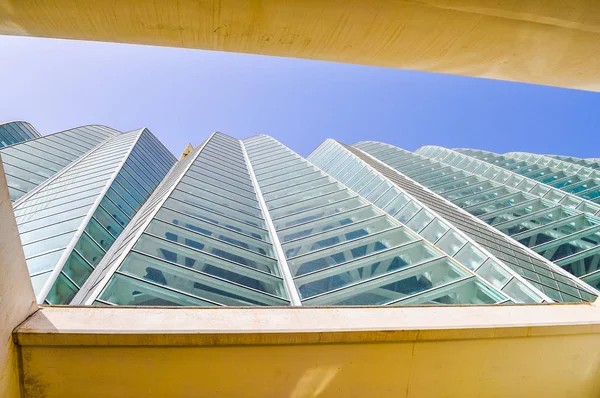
x=184 y=95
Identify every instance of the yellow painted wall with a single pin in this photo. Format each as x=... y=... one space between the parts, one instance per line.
x=548 y=367
x=489 y=351
x=553 y=42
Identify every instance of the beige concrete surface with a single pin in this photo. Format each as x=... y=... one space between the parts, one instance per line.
x=90 y=325
x=17 y=300
x=551 y=42
x=491 y=351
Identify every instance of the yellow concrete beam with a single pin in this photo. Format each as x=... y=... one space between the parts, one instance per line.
x=490 y=351
x=17 y=300
x=552 y=42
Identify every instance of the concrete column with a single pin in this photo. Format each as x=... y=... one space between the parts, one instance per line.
x=17 y=300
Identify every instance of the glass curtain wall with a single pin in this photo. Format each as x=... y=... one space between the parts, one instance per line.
x=201 y=240
x=365 y=180
x=591 y=163
x=67 y=226
x=540 y=186
x=573 y=244
x=578 y=180
x=341 y=250
x=495 y=197
x=576 y=244
x=250 y=222
x=29 y=164
x=123 y=243
x=15 y=132
x=204 y=239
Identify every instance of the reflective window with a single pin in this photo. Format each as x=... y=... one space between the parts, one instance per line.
x=124 y=290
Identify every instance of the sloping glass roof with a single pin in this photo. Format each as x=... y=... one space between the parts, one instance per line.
x=496 y=197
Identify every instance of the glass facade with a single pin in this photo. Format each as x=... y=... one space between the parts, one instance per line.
x=31 y=163
x=374 y=186
x=342 y=250
x=200 y=240
x=549 y=208
x=15 y=132
x=109 y=218
x=252 y=223
x=509 y=203
x=68 y=224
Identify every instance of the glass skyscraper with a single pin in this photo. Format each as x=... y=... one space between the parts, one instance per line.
x=252 y=223
x=29 y=163
x=71 y=218
x=15 y=132
x=109 y=218
x=544 y=203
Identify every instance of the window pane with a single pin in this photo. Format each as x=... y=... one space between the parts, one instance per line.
x=185 y=279
x=62 y=292
x=77 y=269
x=89 y=249
x=350 y=250
x=211 y=265
x=100 y=235
x=123 y=290
x=45 y=262
x=494 y=274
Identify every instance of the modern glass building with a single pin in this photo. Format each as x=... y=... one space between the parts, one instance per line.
x=30 y=163
x=252 y=223
x=118 y=221
x=69 y=220
x=15 y=132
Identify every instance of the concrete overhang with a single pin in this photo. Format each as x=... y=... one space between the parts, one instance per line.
x=490 y=351
x=552 y=42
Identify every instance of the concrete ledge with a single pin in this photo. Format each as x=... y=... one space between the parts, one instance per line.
x=130 y=326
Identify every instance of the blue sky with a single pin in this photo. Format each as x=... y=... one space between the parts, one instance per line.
x=184 y=95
